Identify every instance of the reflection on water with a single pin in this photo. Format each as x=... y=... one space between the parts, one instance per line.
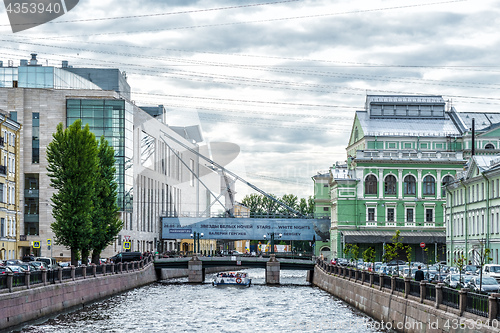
x=175 y=306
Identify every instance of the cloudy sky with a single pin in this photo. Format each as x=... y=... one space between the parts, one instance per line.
x=281 y=79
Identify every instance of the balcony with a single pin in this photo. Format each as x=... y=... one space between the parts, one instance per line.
x=409 y=155
x=31 y=193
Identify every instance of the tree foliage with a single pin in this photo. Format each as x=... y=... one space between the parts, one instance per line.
x=81 y=181
x=260 y=204
x=106 y=223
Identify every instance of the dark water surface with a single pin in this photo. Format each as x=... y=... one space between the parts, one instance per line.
x=175 y=306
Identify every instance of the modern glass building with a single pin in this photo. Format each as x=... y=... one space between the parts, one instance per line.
x=113 y=120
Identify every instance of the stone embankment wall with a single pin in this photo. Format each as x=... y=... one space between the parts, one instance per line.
x=395 y=311
x=25 y=305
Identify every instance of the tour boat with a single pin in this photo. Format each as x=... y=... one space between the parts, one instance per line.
x=232 y=279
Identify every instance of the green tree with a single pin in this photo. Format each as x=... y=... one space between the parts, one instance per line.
x=460 y=262
x=352 y=251
x=310 y=205
x=269 y=206
x=290 y=200
x=253 y=202
x=303 y=206
x=369 y=256
x=72 y=166
x=106 y=223
x=392 y=250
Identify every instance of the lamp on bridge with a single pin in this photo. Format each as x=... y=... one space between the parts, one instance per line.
x=196 y=237
x=274 y=236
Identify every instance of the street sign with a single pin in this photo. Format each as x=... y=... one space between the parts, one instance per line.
x=49 y=242
x=36 y=244
x=126 y=245
x=422 y=245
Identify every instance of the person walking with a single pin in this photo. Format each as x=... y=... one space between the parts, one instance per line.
x=419 y=274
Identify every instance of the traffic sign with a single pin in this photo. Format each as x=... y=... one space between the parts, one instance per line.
x=126 y=245
x=49 y=242
x=36 y=244
x=422 y=245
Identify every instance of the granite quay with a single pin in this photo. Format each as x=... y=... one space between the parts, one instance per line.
x=407 y=305
x=33 y=295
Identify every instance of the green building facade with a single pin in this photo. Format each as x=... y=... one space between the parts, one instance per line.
x=401 y=152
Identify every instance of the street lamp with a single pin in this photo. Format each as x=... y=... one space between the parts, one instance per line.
x=196 y=237
x=273 y=236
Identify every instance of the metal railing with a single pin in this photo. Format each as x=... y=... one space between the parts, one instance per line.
x=387 y=282
x=78 y=272
x=18 y=280
x=430 y=291
x=89 y=270
x=477 y=304
x=66 y=274
x=414 y=288
x=451 y=297
x=376 y=280
x=35 y=277
x=400 y=285
x=367 y=277
x=3 y=281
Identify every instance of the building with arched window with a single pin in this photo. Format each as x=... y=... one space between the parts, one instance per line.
x=401 y=151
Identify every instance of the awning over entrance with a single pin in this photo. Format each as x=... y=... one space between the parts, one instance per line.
x=409 y=237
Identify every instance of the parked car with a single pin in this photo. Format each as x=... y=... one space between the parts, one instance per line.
x=453 y=280
x=37 y=265
x=51 y=262
x=492 y=270
x=15 y=269
x=4 y=270
x=470 y=269
x=487 y=285
x=126 y=257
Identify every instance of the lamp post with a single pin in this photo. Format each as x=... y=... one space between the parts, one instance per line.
x=273 y=235
x=196 y=237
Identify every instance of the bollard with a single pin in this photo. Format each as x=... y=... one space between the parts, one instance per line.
x=27 y=281
x=439 y=295
x=84 y=271
x=112 y=268
x=59 y=274
x=44 y=276
x=493 y=308
x=104 y=269
x=422 y=290
x=120 y=268
x=363 y=274
x=371 y=278
x=393 y=284
x=463 y=300
x=407 y=286
x=10 y=278
x=73 y=270
x=94 y=270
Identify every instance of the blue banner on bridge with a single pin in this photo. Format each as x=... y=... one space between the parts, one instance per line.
x=245 y=228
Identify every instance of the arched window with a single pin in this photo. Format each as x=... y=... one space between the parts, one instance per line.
x=390 y=185
x=371 y=184
x=446 y=180
x=429 y=185
x=489 y=146
x=410 y=185
x=356 y=134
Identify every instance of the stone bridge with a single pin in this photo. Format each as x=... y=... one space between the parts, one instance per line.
x=196 y=265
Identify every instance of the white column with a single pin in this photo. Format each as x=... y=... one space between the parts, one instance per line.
x=419 y=183
x=381 y=183
x=400 y=183
x=438 y=184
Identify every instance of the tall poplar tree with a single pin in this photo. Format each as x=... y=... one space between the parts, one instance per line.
x=106 y=223
x=72 y=168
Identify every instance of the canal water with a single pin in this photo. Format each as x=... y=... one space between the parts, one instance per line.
x=175 y=306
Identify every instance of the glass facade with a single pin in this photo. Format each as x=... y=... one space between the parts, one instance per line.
x=113 y=119
x=42 y=77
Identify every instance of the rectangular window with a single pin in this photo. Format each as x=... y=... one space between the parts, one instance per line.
x=390 y=214
x=35 y=142
x=326 y=209
x=409 y=214
x=429 y=214
x=2 y=227
x=371 y=214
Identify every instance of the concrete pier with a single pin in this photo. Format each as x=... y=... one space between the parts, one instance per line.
x=195 y=267
x=273 y=270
